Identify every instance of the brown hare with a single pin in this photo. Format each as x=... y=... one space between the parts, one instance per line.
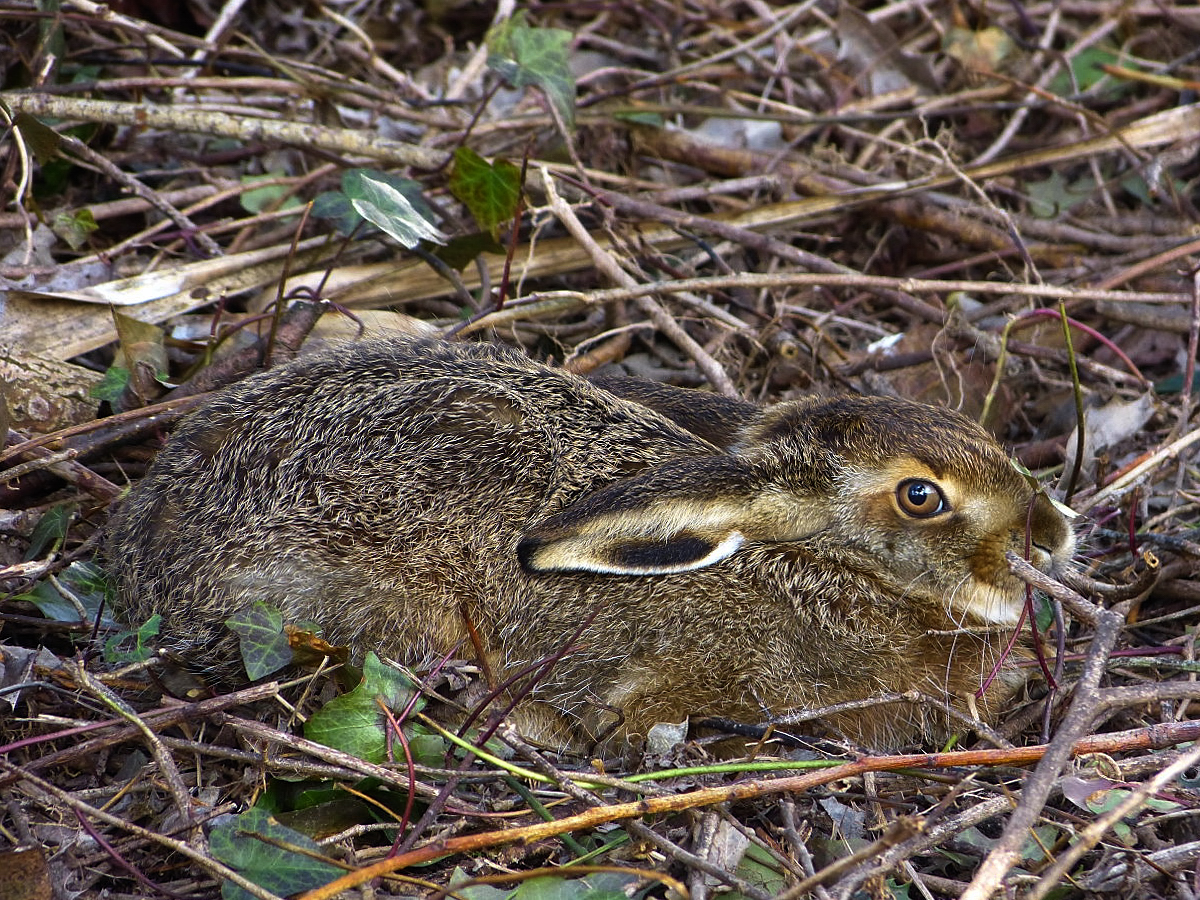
x=733 y=561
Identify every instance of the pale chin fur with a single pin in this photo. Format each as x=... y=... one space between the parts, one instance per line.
x=992 y=606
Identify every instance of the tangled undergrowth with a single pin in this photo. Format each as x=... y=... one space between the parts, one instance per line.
x=990 y=206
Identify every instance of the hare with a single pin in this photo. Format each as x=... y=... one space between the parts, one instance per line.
x=683 y=554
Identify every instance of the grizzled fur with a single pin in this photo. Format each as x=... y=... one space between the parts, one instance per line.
x=735 y=561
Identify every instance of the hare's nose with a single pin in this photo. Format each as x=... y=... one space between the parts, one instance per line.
x=1041 y=556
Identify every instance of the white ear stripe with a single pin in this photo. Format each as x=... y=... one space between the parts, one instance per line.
x=726 y=548
x=586 y=553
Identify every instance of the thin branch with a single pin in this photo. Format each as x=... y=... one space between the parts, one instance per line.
x=660 y=317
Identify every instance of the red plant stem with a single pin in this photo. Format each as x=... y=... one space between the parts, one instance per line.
x=1026 y=319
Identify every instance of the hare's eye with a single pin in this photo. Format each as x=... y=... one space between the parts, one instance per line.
x=920 y=499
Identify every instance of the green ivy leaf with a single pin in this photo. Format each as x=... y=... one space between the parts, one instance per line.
x=1043 y=613
x=354 y=722
x=1037 y=487
x=51 y=529
x=271 y=196
x=525 y=56
x=140 y=651
x=475 y=891
x=337 y=205
x=972 y=838
x=389 y=208
x=142 y=346
x=760 y=869
x=109 y=389
x=492 y=192
x=1054 y=196
x=1033 y=851
x=1135 y=185
x=85 y=581
x=50 y=603
x=41 y=138
x=597 y=886
x=460 y=251
x=1086 y=73
x=88 y=582
x=74 y=228
x=282 y=796
x=272 y=856
x=262 y=640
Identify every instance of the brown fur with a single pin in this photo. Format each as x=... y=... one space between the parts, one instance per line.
x=381 y=488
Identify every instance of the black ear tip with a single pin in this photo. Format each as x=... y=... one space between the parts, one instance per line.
x=525 y=550
x=681 y=552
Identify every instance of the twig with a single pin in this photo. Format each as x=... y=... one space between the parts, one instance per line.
x=572 y=788
x=1076 y=723
x=769 y=280
x=134 y=186
x=1189 y=378
x=65 y=467
x=37 y=786
x=660 y=317
x=1090 y=836
x=158 y=718
x=743 y=790
x=982 y=728
x=1140 y=472
x=152 y=34
x=766 y=244
x=162 y=756
x=901 y=830
x=327 y=754
x=352 y=142
x=787 y=808
x=296 y=322
x=973 y=815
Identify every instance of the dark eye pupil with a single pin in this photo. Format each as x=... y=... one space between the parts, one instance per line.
x=920 y=498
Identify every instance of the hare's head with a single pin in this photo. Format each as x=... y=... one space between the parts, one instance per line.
x=919 y=500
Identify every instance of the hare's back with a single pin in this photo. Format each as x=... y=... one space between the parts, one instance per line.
x=379 y=459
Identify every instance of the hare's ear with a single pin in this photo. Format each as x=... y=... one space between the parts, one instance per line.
x=717 y=419
x=677 y=517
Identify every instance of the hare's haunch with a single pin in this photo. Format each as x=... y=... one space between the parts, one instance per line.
x=733 y=561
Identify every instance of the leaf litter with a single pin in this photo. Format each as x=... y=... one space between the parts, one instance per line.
x=893 y=198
